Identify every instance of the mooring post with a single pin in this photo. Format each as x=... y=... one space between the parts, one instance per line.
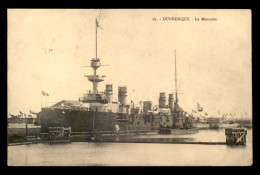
x=26 y=130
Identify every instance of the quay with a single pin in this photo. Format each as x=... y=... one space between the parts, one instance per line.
x=58 y=135
x=160 y=141
x=119 y=141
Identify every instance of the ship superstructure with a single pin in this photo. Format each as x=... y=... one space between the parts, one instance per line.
x=102 y=101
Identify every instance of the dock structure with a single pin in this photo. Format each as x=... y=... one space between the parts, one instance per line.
x=236 y=136
x=98 y=135
x=59 y=133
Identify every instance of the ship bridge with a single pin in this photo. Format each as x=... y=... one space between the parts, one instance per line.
x=94 y=96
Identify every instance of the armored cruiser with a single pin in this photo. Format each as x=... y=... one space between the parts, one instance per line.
x=96 y=110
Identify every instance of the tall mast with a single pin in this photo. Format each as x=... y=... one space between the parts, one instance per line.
x=96 y=36
x=176 y=79
x=95 y=64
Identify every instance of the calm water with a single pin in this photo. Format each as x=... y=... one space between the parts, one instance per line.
x=135 y=154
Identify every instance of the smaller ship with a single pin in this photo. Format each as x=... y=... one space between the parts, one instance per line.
x=175 y=120
x=213 y=123
x=221 y=123
x=246 y=123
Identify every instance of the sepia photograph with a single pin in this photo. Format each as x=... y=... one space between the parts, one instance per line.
x=129 y=87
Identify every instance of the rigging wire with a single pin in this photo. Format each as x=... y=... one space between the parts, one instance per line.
x=99 y=15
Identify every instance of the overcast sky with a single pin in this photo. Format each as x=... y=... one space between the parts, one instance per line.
x=46 y=49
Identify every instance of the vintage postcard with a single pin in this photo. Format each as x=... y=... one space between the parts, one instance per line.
x=129 y=87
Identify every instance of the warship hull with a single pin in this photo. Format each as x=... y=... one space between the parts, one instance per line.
x=90 y=121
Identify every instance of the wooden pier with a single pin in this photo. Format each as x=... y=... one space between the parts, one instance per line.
x=57 y=133
x=236 y=136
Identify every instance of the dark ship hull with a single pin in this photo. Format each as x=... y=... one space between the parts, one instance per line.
x=178 y=131
x=90 y=121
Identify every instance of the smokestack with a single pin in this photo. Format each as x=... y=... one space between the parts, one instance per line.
x=109 y=93
x=170 y=101
x=122 y=94
x=162 y=100
x=147 y=105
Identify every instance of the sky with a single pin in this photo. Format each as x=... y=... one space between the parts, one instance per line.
x=48 y=47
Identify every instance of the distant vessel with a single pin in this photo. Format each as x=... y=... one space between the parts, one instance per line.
x=218 y=123
x=97 y=112
x=178 y=122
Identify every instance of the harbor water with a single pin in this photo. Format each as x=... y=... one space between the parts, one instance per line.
x=136 y=154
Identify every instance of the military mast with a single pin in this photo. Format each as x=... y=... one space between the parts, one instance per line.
x=176 y=80
x=175 y=111
x=95 y=79
x=95 y=64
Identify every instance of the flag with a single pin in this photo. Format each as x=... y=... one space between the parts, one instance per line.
x=97 y=24
x=200 y=109
x=32 y=112
x=206 y=113
x=21 y=113
x=12 y=115
x=44 y=93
